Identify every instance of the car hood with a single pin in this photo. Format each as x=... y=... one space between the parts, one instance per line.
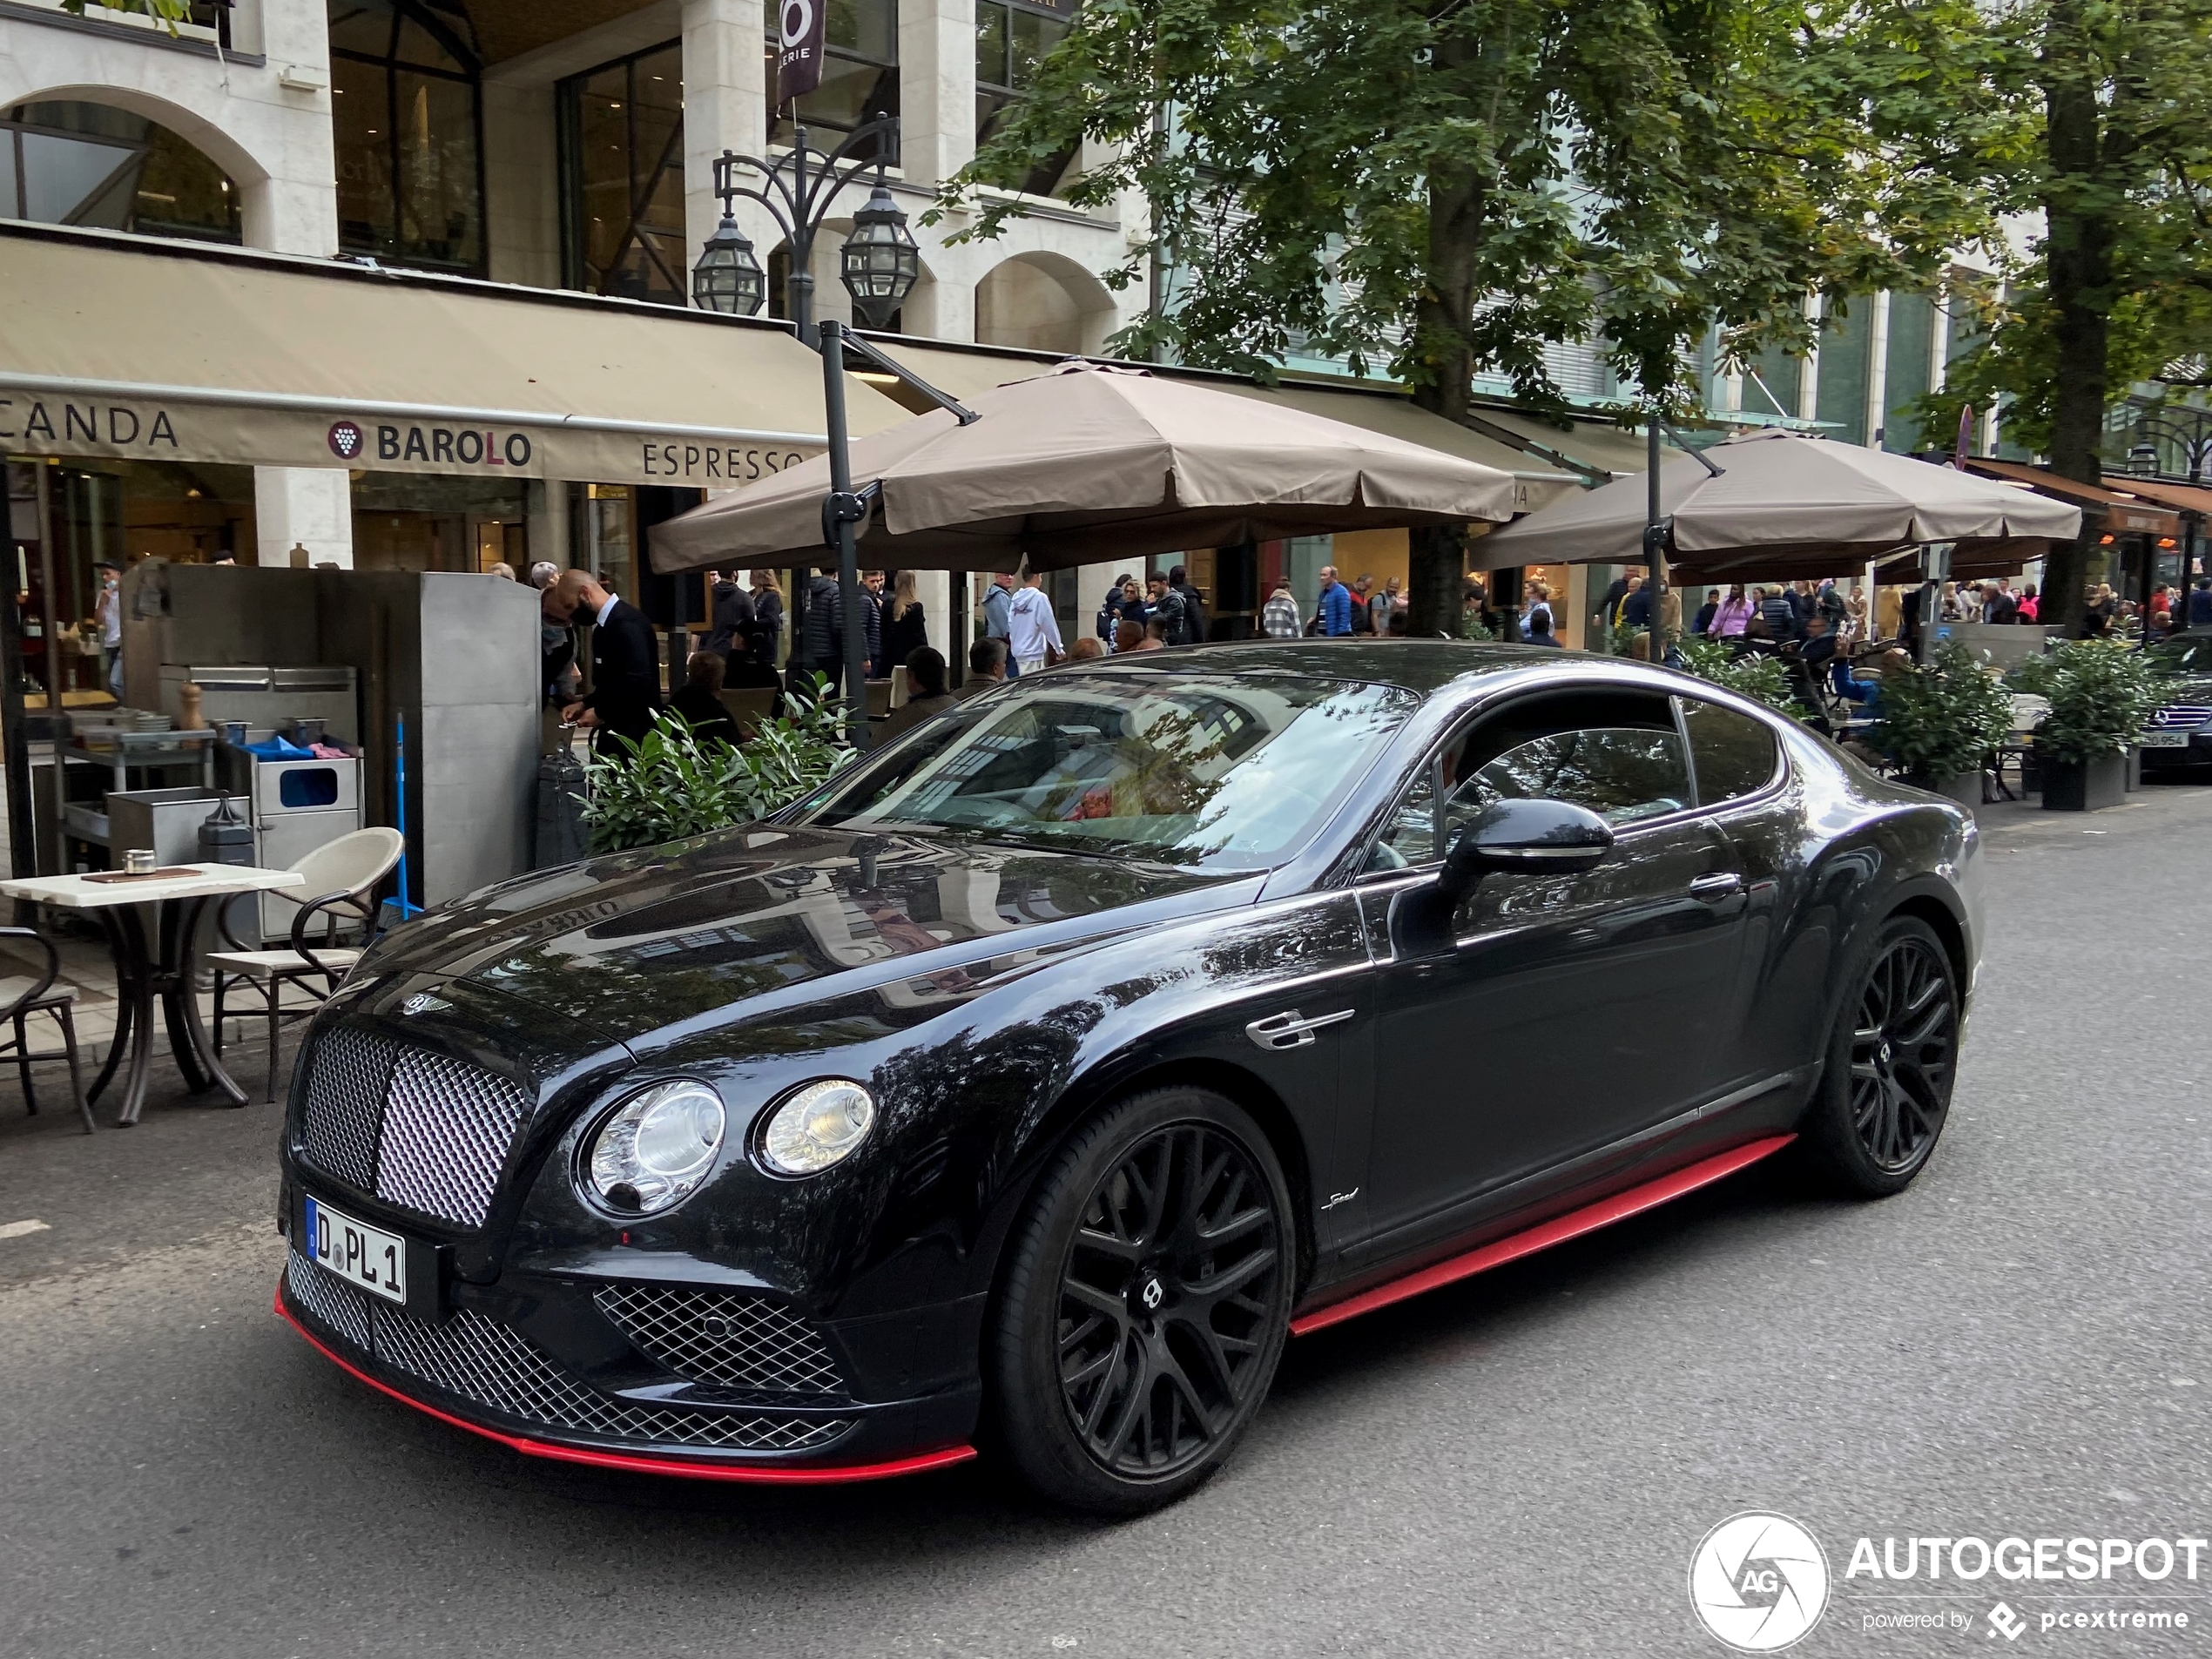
x=635 y=943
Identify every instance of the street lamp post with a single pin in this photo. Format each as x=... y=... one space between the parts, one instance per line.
x=878 y=264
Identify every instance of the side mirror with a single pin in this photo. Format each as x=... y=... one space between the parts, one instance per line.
x=1524 y=838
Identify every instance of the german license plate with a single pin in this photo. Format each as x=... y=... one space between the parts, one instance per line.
x=2164 y=739
x=357 y=1252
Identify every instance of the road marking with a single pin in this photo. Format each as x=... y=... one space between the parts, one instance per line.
x=17 y=1228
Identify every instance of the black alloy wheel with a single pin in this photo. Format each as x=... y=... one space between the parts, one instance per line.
x=1147 y=1303
x=1901 y=1053
x=1887 y=1090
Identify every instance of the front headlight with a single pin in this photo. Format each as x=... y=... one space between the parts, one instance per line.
x=817 y=1127
x=654 y=1151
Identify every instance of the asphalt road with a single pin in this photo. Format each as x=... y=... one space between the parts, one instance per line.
x=1521 y=1465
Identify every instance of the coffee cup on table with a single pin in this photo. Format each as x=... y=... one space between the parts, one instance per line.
x=139 y=861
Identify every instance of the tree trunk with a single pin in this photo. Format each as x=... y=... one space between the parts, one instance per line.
x=2080 y=260
x=1437 y=553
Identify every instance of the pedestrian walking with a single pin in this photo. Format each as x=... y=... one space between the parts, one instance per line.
x=730 y=609
x=1033 y=632
x=1702 y=625
x=1332 y=609
x=998 y=614
x=768 y=609
x=1193 y=621
x=107 y=611
x=1381 y=606
x=1278 y=617
x=1735 y=611
x=2200 y=613
x=905 y=630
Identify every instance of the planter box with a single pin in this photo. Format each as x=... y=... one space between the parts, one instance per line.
x=1964 y=787
x=2085 y=786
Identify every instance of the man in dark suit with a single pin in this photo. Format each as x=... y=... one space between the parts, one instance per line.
x=625 y=666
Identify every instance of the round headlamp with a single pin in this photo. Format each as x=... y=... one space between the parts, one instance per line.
x=654 y=1151
x=817 y=1126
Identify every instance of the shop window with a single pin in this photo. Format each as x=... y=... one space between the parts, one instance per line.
x=64 y=163
x=860 y=76
x=1012 y=38
x=1909 y=368
x=407 y=122
x=622 y=175
x=439 y=521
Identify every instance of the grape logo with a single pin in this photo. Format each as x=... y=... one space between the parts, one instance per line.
x=347 y=440
x=1759 y=1583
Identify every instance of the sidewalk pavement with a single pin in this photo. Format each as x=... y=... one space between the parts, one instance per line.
x=87 y=967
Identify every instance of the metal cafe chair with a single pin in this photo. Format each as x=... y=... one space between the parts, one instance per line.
x=23 y=996
x=344 y=874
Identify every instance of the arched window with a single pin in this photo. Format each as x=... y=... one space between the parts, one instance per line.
x=66 y=163
x=408 y=120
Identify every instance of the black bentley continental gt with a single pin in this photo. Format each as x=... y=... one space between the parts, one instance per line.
x=1034 y=1080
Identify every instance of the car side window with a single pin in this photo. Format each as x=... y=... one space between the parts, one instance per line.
x=1733 y=754
x=1409 y=838
x=1621 y=773
x=1619 y=754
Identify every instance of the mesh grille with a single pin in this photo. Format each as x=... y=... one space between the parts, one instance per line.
x=338 y=1306
x=347 y=1077
x=493 y=1364
x=496 y=1367
x=446 y=1128
x=735 y=1340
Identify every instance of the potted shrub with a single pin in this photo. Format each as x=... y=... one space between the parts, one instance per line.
x=675 y=784
x=1940 y=722
x=2100 y=695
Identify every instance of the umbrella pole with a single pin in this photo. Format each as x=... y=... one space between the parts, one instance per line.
x=1655 y=543
x=844 y=509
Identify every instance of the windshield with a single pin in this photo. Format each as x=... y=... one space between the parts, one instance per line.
x=1219 y=771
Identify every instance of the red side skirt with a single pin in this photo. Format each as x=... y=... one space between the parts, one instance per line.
x=1557 y=1231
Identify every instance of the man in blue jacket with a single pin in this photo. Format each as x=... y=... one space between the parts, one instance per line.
x=1333 y=609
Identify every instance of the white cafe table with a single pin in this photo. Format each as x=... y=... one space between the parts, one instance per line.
x=178 y=896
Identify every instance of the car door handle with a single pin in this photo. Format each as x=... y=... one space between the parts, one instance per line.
x=1725 y=884
x=1293 y=1030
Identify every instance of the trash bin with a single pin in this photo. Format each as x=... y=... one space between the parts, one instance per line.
x=559 y=838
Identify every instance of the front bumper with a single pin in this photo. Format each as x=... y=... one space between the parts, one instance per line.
x=542 y=1366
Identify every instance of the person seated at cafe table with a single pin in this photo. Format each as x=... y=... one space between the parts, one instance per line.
x=926 y=694
x=699 y=700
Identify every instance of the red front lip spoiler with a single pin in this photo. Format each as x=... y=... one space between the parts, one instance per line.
x=1557 y=1231
x=636 y=1463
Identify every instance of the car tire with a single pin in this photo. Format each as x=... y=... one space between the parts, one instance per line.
x=1144 y=1305
x=1885 y=1091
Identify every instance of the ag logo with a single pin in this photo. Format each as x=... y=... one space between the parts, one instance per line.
x=347 y=440
x=1759 y=1583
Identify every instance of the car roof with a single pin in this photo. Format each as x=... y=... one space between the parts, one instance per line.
x=1419 y=665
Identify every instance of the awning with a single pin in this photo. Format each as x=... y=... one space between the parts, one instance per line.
x=2182 y=498
x=2118 y=512
x=1386 y=409
x=1601 y=446
x=145 y=348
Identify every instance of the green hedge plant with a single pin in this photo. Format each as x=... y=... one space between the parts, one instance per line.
x=1754 y=675
x=673 y=783
x=2102 y=693
x=1943 y=721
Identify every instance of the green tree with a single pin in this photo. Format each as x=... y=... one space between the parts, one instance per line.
x=2093 y=116
x=1442 y=186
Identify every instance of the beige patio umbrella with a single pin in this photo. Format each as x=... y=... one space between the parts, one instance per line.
x=1778 y=493
x=1092 y=461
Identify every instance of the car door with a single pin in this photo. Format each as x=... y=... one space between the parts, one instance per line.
x=1562 y=1013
